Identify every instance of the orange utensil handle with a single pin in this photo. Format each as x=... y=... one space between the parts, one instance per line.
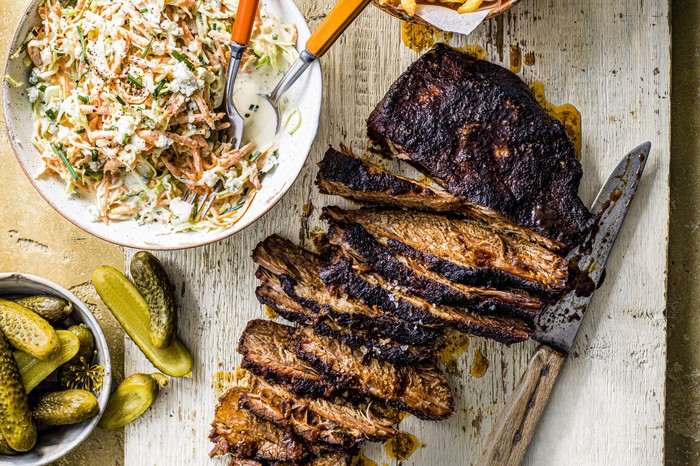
x=245 y=18
x=340 y=17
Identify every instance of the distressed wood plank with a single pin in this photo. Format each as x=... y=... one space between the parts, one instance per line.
x=611 y=60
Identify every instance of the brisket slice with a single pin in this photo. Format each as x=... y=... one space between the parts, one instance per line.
x=298 y=273
x=375 y=291
x=420 y=389
x=477 y=128
x=238 y=432
x=340 y=426
x=271 y=294
x=343 y=174
x=269 y=351
x=461 y=250
x=412 y=275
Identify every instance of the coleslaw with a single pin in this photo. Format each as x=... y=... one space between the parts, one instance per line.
x=124 y=97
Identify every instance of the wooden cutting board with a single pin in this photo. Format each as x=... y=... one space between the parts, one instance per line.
x=611 y=60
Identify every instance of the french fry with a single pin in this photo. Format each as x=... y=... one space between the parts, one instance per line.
x=409 y=6
x=469 y=6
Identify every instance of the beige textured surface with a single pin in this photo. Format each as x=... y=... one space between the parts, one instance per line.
x=608 y=405
x=35 y=239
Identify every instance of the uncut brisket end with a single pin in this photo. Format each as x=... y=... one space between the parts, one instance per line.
x=238 y=432
x=269 y=351
x=344 y=174
x=420 y=389
x=339 y=426
x=414 y=277
x=477 y=128
x=298 y=273
x=461 y=250
x=271 y=294
x=375 y=291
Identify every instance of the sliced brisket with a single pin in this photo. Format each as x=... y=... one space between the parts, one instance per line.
x=237 y=432
x=477 y=128
x=269 y=351
x=420 y=389
x=375 y=291
x=343 y=174
x=298 y=273
x=271 y=294
x=463 y=251
x=413 y=276
x=340 y=426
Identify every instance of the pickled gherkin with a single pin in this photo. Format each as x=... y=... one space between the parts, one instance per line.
x=152 y=281
x=16 y=424
x=51 y=308
x=65 y=408
x=131 y=399
x=27 y=331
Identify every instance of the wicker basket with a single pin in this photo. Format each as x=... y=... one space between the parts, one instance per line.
x=401 y=14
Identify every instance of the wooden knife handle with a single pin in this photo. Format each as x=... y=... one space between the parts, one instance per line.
x=511 y=434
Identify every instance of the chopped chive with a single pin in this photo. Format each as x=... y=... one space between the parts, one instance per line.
x=134 y=80
x=179 y=57
x=125 y=139
x=148 y=47
x=58 y=151
x=119 y=99
x=12 y=82
x=82 y=75
x=255 y=156
x=137 y=217
x=84 y=99
x=82 y=42
x=143 y=10
x=80 y=130
x=95 y=154
x=158 y=88
x=240 y=204
x=110 y=128
x=51 y=113
x=195 y=211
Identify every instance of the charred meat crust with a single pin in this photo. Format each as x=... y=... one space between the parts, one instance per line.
x=270 y=294
x=461 y=250
x=269 y=351
x=339 y=426
x=238 y=432
x=476 y=127
x=344 y=174
x=375 y=292
x=298 y=273
x=421 y=390
x=404 y=272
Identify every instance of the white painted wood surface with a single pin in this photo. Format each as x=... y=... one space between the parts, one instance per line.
x=611 y=59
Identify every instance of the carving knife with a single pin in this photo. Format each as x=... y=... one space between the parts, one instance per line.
x=556 y=327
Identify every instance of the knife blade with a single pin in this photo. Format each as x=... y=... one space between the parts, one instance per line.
x=556 y=327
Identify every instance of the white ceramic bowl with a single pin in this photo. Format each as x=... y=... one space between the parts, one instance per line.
x=58 y=442
x=294 y=149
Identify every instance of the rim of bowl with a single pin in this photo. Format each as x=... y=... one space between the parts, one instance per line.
x=101 y=342
x=315 y=67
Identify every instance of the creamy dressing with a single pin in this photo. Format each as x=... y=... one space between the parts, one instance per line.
x=257 y=112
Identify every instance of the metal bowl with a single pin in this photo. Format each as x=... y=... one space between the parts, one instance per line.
x=401 y=14
x=56 y=443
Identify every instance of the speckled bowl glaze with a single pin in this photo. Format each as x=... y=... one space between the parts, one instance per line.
x=401 y=14
x=306 y=94
x=57 y=443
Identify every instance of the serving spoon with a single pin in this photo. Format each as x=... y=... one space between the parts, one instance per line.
x=240 y=36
